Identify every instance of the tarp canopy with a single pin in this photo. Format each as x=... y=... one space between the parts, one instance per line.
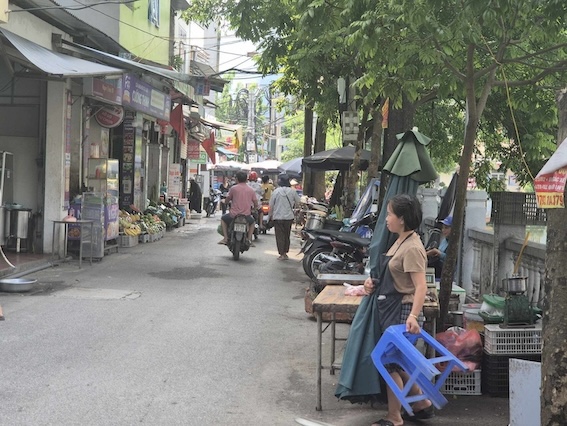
x=293 y=168
x=55 y=63
x=226 y=165
x=336 y=159
x=264 y=166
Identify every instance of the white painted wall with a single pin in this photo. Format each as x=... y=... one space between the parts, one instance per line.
x=32 y=28
x=24 y=152
x=54 y=160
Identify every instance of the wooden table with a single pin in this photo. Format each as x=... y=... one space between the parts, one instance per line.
x=331 y=299
x=339 y=279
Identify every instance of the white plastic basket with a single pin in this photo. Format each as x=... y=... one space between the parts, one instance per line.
x=458 y=383
x=511 y=341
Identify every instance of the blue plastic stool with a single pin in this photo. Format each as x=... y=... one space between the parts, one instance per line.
x=396 y=346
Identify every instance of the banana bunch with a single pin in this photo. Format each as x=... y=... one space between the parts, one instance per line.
x=128 y=227
x=133 y=231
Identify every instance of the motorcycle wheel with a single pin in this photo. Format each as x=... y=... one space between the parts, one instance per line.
x=236 y=250
x=312 y=261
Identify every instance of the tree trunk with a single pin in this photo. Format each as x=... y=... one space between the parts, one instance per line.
x=375 y=141
x=355 y=167
x=307 y=145
x=475 y=105
x=447 y=274
x=318 y=177
x=554 y=352
x=399 y=120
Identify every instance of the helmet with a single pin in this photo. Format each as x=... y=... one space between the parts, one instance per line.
x=253 y=176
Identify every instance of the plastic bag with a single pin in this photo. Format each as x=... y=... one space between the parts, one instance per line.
x=466 y=345
x=354 y=290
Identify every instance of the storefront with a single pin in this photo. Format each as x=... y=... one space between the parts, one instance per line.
x=40 y=125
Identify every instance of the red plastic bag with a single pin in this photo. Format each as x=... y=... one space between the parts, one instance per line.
x=466 y=345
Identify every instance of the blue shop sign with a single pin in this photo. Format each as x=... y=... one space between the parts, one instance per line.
x=142 y=97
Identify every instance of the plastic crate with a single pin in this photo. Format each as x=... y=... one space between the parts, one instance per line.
x=127 y=240
x=458 y=383
x=516 y=208
x=144 y=238
x=495 y=372
x=511 y=341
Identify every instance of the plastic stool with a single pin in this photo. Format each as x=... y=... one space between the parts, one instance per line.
x=396 y=346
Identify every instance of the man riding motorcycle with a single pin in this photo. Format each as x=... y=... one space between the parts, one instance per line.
x=241 y=198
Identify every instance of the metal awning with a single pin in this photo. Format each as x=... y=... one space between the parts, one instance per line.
x=206 y=71
x=129 y=64
x=32 y=55
x=226 y=152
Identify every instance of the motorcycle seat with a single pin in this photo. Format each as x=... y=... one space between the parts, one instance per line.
x=352 y=238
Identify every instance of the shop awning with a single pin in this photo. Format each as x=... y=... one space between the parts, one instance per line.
x=32 y=55
x=236 y=128
x=226 y=152
x=191 y=79
x=205 y=70
x=129 y=64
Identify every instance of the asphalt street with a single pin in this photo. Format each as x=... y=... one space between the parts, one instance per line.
x=177 y=333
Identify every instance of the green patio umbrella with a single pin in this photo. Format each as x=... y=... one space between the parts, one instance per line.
x=410 y=166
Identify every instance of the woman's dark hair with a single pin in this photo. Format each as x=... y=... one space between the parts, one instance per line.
x=241 y=176
x=407 y=207
x=265 y=178
x=283 y=180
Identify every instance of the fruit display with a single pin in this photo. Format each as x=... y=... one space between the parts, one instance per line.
x=128 y=224
x=134 y=224
x=169 y=215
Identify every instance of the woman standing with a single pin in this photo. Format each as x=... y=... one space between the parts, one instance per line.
x=400 y=293
x=282 y=201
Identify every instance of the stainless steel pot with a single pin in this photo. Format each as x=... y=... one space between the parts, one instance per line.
x=15 y=285
x=515 y=285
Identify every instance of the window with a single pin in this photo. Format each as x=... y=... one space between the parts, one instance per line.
x=153 y=12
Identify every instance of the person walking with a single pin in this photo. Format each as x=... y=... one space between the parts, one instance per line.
x=400 y=294
x=282 y=202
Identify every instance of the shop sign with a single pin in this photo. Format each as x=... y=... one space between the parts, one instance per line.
x=110 y=116
x=142 y=97
x=202 y=158
x=193 y=149
x=549 y=183
x=174 y=181
x=109 y=91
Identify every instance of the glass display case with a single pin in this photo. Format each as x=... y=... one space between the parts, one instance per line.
x=103 y=176
x=103 y=211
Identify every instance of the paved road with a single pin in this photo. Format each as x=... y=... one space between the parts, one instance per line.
x=177 y=333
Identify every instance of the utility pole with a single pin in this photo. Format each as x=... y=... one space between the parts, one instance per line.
x=251 y=133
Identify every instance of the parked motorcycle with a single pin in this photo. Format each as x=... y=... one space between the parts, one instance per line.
x=318 y=246
x=349 y=255
x=238 y=236
x=213 y=202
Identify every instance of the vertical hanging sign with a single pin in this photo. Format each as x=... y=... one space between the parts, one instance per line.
x=127 y=171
